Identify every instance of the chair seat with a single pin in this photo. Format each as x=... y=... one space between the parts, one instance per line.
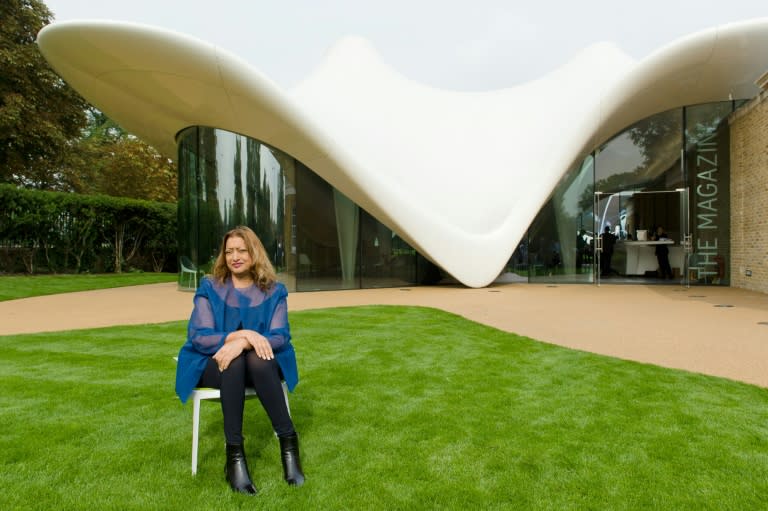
x=212 y=394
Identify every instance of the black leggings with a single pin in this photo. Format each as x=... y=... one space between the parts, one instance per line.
x=264 y=377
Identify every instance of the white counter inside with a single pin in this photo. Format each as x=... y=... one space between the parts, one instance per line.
x=641 y=256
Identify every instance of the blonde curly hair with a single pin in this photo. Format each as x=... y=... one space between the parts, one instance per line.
x=262 y=271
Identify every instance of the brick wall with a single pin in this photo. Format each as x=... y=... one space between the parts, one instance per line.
x=749 y=195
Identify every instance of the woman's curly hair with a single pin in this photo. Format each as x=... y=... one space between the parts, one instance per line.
x=262 y=271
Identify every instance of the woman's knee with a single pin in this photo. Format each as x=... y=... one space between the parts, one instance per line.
x=237 y=363
x=235 y=371
x=259 y=366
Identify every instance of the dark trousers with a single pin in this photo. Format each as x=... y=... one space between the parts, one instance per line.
x=249 y=370
x=605 y=263
x=665 y=270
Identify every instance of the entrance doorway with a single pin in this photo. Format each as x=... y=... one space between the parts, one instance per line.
x=633 y=229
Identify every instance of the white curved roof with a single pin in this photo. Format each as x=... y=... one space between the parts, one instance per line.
x=458 y=175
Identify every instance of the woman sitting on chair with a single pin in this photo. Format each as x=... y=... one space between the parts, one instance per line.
x=239 y=336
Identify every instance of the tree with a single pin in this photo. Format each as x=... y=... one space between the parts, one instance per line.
x=40 y=115
x=110 y=161
x=136 y=170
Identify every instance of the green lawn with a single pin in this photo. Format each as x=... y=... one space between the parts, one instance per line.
x=397 y=408
x=24 y=286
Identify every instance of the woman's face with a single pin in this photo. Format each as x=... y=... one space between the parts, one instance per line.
x=239 y=261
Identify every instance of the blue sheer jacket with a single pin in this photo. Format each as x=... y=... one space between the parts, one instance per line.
x=220 y=308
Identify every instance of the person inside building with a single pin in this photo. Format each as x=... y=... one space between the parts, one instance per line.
x=582 y=250
x=662 y=254
x=238 y=336
x=609 y=240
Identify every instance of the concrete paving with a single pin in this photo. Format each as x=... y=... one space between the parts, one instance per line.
x=711 y=330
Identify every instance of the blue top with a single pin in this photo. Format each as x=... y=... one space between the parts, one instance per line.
x=220 y=308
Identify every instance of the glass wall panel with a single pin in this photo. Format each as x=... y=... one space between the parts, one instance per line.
x=403 y=264
x=227 y=180
x=644 y=157
x=200 y=221
x=574 y=216
x=386 y=260
x=285 y=257
x=318 y=249
x=637 y=175
x=210 y=222
x=316 y=237
x=517 y=266
x=640 y=184
x=707 y=165
x=544 y=260
x=187 y=210
x=560 y=238
x=320 y=239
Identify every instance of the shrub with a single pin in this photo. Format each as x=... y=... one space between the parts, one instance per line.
x=58 y=232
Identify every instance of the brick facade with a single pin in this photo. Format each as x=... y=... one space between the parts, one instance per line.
x=749 y=195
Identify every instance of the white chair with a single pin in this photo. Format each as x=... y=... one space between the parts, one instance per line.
x=188 y=267
x=208 y=394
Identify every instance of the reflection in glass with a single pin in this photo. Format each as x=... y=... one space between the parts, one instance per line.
x=316 y=237
x=319 y=257
x=227 y=180
x=386 y=260
x=559 y=244
x=187 y=210
x=644 y=157
x=320 y=239
x=639 y=185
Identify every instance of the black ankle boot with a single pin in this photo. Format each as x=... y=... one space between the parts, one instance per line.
x=236 y=470
x=289 y=454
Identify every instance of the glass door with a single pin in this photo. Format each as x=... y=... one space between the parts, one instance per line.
x=641 y=236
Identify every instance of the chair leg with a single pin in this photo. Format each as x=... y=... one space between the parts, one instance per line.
x=195 y=430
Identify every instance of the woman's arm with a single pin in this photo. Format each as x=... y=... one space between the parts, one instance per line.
x=250 y=339
x=233 y=346
x=201 y=330
x=277 y=332
x=206 y=330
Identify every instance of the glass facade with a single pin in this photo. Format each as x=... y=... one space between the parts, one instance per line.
x=317 y=238
x=668 y=171
x=559 y=241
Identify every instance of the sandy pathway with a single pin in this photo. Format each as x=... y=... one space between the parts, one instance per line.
x=665 y=325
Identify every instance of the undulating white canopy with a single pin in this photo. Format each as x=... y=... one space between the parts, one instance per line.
x=458 y=175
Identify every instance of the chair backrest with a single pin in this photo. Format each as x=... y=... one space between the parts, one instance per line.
x=187 y=264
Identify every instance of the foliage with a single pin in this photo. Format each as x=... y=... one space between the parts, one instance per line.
x=654 y=134
x=51 y=138
x=66 y=232
x=108 y=160
x=438 y=413
x=40 y=116
x=13 y=287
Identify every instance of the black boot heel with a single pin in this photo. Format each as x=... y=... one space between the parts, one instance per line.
x=236 y=471
x=289 y=454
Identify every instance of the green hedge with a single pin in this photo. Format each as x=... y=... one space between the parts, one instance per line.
x=54 y=232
